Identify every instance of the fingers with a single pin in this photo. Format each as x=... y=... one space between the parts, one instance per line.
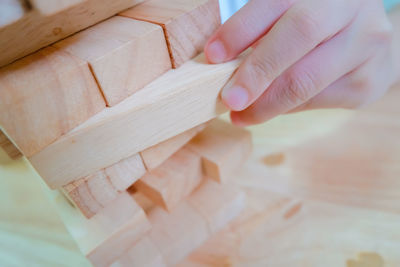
x=355 y=89
x=244 y=28
x=319 y=69
x=302 y=28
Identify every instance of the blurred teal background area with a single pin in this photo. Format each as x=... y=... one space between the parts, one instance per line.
x=390 y=3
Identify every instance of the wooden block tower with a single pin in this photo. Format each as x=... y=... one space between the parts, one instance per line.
x=118 y=118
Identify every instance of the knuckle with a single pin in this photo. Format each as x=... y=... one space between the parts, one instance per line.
x=362 y=84
x=363 y=87
x=298 y=87
x=262 y=66
x=385 y=35
x=305 y=23
x=382 y=34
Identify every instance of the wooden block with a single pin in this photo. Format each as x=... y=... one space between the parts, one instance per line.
x=35 y=30
x=110 y=233
x=123 y=174
x=11 y=150
x=178 y=233
x=92 y=193
x=165 y=108
x=50 y=7
x=187 y=24
x=124 y=55
x=11 y=11
x=223 y=147
x=218 y=204
x=173 y=180
x=154 y=156
x=45 y=95
x=143 y=254
x=143 y=201
x=174 y=235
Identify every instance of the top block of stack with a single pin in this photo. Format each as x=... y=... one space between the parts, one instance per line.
x=123 y=54
x=187 y=24
x=29 y=25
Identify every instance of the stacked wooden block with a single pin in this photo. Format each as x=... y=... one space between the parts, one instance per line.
x=153 y=209
x=119 y=119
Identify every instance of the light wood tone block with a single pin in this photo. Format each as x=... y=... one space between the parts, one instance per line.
x=124 y=55
x=154 y=156
x=11 y=150
x=143 y=201
x=126 y=172
x=44 y=96
x=11 y=11
x=223 y=147
x=178 y=233
x=144 y=254
x=92 y=193
x=50 y=7
x=110 y=233
x=187 y=24
x=218 y=204
x=174 y=235
x=42 y=30
x=165 y=108
x=173 y=180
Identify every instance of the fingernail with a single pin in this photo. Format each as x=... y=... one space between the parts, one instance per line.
x=216 y=52
x=235 y=97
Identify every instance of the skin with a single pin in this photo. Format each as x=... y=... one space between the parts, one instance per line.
x=307 y=54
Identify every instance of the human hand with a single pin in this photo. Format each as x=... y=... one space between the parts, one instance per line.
x=308 y=54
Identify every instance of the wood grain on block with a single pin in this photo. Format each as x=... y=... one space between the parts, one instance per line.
x=11 y=150
x=110 y=233
x=165 y=108
x=223 y=147
x=187 y=24
x=49 y=7
x=144 y=253
x=173 y=180
x=218 y=204
x=45 y=95
x=11 y=11
x=154 y=156
x=42 y=30
x=178 y=233
x=92 y=193
x=124 y=55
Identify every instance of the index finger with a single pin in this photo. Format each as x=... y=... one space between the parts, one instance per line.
x=302 y=28
x=244 y=28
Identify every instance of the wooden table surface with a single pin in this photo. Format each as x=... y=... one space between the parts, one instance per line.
x=322 y=187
